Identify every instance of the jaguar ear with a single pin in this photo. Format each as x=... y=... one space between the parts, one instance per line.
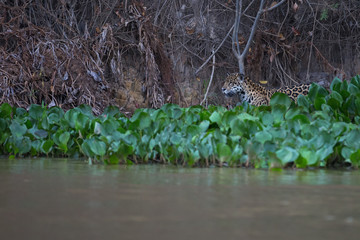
x=227 y=74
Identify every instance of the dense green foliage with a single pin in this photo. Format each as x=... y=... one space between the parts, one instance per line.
x=321 y=130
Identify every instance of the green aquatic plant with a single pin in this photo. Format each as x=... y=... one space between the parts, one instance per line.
x=321 y=130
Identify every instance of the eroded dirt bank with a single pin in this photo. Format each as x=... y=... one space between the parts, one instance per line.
x=135 y=54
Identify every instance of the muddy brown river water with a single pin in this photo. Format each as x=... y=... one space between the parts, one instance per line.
x=68 y=199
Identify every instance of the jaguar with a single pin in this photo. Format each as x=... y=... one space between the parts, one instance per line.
x=255 y=94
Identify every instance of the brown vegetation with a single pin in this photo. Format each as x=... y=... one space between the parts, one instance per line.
x=146 y=53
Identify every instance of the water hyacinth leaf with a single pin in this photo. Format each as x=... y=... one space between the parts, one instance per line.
x=85 y=147
x=321 y=116
x=303 y=101
x=346 y=152
x=85 y=109
x=307 y=131
x=28 y=123
x=54 y=114
x=196 y=109
x=353 y=139
x=353 y=89
x=204 y=115
x=97 y=147
x=280 y=99
x=44 y=123
x=319 y=101
x=71 y=117
x=17 y=130
x=125 y=150
x=301 y=118
x=4 y=136
x=349 y=106
x=344 y=86
x=36 y=111
x=172 y=154
x=263 y=137
x=193 y=130
x=158 y=114
x=55 y=137
x=215 y=117
x=333 y=103
x=5 y=110
x=190 y=118
x=204 y=150
x=219 y=109
x=357 y=120
x=145 y=121
x=10 y=146
x=3 y=125
x=97 y=127
x=140 y=120
x=338 y=128
x=287 y=154
x=278 y=112
x=131 y=138
x=219 y=136
x=112 y=111
x=326 y=137
x=308 y=155
x=237 y=153
x=317 y=91
x=355 y=158
x=24 y=145
x=35 y=147
x=113 y=159
x=345 y=94
x=63 y=140
x=176 y=138
x=267 y=118
x=238 y=127
x=172 y=110
x=204 y=125
x=53 y=118
x=228 y=117
x=270 y=147
x=335 y=85
x=317 y=140
x=246 y=116
x=57 y=110
x=46 y=146
x=356 y=81
x=40 y=133
x=223 y=151
x=324 y=152
x=357 y=105
x=176 y=113
x=21 y=112
x=291 y=113
x=152 y=144
x=19 y=145
x=81 y=122
x=337 y=96
x=192 y=156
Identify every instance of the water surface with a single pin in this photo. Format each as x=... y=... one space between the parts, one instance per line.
x=68 y=199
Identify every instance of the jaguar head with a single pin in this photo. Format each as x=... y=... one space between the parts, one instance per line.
x=233 y=86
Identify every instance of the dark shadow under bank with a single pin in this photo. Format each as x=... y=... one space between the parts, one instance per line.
x=336 y=165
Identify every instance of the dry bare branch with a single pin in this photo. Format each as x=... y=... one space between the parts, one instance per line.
x=211 y=79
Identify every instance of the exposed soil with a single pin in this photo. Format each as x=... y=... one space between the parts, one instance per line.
x=135 y=54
